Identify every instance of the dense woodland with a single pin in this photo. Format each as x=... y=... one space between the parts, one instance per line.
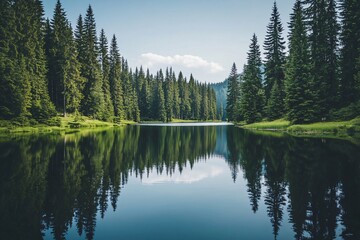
x=316 y=79
x=47 y=69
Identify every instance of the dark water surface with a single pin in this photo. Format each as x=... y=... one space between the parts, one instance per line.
x=179 y=182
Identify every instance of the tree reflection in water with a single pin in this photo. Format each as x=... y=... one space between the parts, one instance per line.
x=57 y=182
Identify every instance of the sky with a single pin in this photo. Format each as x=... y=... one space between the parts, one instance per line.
x=202 y=37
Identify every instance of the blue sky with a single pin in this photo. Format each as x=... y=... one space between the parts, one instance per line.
x=203 y=37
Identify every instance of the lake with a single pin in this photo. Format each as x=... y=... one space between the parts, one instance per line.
x=178 y=182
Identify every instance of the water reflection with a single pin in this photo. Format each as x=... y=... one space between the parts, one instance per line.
x=58 y=183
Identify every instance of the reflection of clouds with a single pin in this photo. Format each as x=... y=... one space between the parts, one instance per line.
x=187 y=176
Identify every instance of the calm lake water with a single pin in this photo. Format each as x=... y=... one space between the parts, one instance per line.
x=178 y=182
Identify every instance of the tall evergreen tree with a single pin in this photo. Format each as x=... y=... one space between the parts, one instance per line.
x=80 y=41
x=350 y=51
x=169 y=95
x=204 y=106
x=23 y=88
x=105 y=67
x=93 y=102
x=64 y=82
x=158 y=103
x=274 y=47
x=145 y=97
x=142 y=91
x=194 y=98
x=252 y=93
x=184 y=95
x=14 y=91
x=74 y=83
x=322 y=25
x=57 y=59
x=115 y=78
x=332 y=52
x=233 y=94
x=176 y=100
x=300 y=98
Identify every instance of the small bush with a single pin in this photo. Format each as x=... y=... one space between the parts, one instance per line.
x=75 y=125
x=117 y=120
x=55 y=121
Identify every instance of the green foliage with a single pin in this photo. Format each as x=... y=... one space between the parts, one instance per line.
x=300 y=95
x=275 y=104
x=93 y=104
x=115 y=78
x=233 y=94
x=322 y=27
x=105 y=66
x=44 y=68
x=274 y=47
x=251 y=103
x=346 y=113
x=350 y=51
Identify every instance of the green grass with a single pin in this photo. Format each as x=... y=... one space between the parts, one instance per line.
x=175 y=120
x=340 y=128
x=269 y=125
x=66 y=124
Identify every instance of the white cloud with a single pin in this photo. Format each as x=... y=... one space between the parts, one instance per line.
x=187 y=61
x=188 y=176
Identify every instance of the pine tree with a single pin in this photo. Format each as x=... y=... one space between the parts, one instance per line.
x=233 y=94
x=252 y=94
x=169 y=95
x=204 y=106
x=158 y=104
x=135 y=107
x=322 y=24
x=115 y=78
x=105 y=67
x=145 y=97
x=350 y=51
x=57 y=59
x=211 y=102
x=298 y=82
x=127 y=88
x=176 y=100
x=73 y=81
x=184 y=97
x=194 y=98
x=142 y=86
x=23 y=63
x=93 y=102
x=80 y=41
x=274 y=47
x=14 y=92
x=64 y=81
x=332 y=53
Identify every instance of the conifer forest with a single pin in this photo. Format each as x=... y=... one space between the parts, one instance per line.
x=49 y=68
x=314 y=77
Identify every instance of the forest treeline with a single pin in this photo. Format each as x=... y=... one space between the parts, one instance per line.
x=47 y=68
x=316 y=79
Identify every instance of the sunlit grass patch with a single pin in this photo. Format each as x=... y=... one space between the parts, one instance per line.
x=270 y=125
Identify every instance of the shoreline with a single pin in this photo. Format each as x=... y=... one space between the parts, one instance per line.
x=338 y=129
x=66 y=125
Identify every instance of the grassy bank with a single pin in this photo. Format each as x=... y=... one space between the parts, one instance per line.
x=63 y=124
x=342 y=128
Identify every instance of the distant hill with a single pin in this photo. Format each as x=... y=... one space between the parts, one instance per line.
x=221 y=94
